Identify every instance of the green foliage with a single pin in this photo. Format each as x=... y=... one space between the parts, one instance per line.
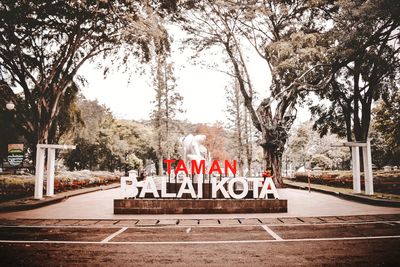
x=364 y=55
x=43 y=44
x=386 y=132
x=89 y=156
x=322 y=161
x=16 y=186
x=306 y=148
x=286 y=36
x=105 y=143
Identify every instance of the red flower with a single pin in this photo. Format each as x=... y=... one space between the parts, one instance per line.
x=266 y=174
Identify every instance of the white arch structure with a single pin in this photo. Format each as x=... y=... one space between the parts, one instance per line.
x=367 y=159
x=51 y=164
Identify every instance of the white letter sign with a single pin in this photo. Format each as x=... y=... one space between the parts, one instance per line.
x=131 y=188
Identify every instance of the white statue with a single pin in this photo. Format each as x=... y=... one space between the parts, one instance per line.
x=193 y=147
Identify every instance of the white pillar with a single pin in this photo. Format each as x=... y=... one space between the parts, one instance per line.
x=369 y=182
x=51 y=162
x=356 y=170
x=39 y=173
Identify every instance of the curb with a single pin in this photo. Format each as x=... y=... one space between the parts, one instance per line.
x=355 y=198
x=34 y=204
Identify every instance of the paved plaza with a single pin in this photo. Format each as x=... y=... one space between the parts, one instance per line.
x=99 y=205
x=318 y=229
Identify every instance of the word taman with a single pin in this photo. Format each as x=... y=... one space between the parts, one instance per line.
x=199 y=167
x=131 y=188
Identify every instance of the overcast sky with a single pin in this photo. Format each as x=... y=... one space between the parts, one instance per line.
x=203 y=88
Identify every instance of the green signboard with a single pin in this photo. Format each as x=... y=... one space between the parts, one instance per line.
x=15 y=154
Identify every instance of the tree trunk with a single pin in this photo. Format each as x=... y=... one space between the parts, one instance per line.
x=273 y=159
x=249 y=173
x=240 y=164
x=41 y=136
x=276 y=160
x=266 y=159
x=248 y=141
x=160 y=166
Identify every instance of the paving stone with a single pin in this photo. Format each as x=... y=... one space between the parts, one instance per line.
x=86 y=222
x=390 y=217
x=229 y=222
x=350 y=218
x=147 y=222
x=368 y=218
x=311 y=219
x=250 y=221
x=167 y=222
x=188 y=222
x=127 y=223
x=270 y=221
x=67 y=222
x=106 y=222
x=331 y=219
x=208 y=222
x=30 y=222
x=290 y=220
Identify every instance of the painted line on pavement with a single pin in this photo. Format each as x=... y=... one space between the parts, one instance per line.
x=207 y=226
x=108 y=238
x=272 y=233
x=199 y=242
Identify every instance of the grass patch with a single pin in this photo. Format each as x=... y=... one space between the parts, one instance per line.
x=20 y=186
x=387 y=182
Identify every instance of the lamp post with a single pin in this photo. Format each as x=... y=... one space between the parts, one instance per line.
x=10 y=106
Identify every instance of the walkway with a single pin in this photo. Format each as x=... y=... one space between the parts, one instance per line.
x=99 y=205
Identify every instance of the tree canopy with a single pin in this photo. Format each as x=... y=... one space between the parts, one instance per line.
x=386 y=131
x=284 y=35
x=364 y=52
x=43 y=44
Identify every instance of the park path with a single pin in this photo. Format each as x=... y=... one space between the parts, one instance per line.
x=99 y=205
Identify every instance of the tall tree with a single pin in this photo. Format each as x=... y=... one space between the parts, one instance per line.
x=248 y=136
x=235 y=118
x=366 y=61
x=386 y=131
x=277 y=30
x=241 y=127
x=43 y=44
x=167 y=106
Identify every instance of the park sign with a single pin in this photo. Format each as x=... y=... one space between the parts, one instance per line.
x=225 y=186
x=15 y=154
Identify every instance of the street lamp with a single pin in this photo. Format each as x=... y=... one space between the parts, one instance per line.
x=10 y=105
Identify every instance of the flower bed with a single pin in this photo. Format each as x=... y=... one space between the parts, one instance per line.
x=384 y=181
x=19 y=186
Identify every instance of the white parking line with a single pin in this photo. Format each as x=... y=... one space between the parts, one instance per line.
x=272 y=233
x=199 y=226
x=108 y=238
x=198 y=242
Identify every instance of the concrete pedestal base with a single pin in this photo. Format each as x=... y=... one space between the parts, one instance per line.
x=198 y=206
